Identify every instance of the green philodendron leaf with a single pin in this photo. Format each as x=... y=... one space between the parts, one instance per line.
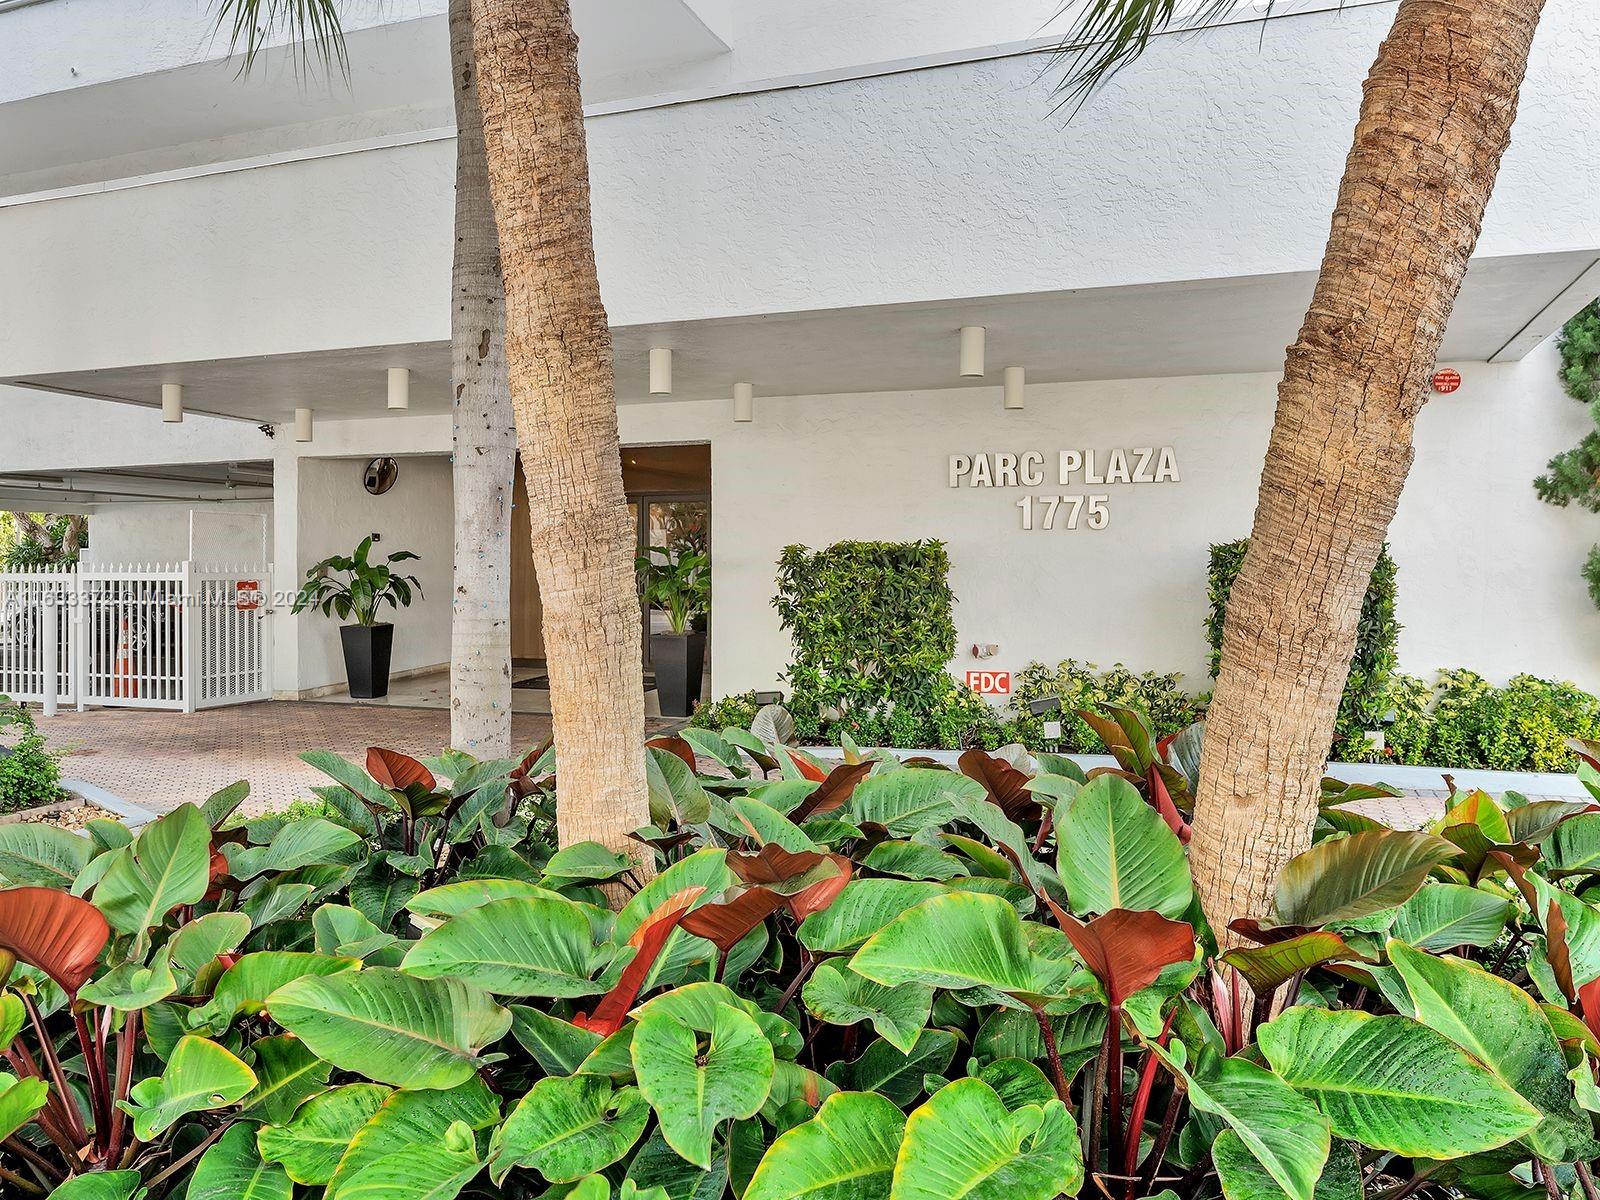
x=1117 y=852
x=286 y=1074
x=863 y=908
x=1502 y=1027
x=694 y=1092
x=245 y=986
x=524 y=946
x=748 y=815
x=20 y=1100
x=1346 y=878
x=1282 y=1140
x=453 y=899
x=299 y=844
x=559 y=1047
x=846 y=1152
x=704 y=868
x=963 y=1142
x=913 y=860
x=569 y=1127
x=13 y=1015
x=168 y=864
x=585 y=862
x=908 y=801
x=343 y=931
x=959 y=940
x=1443 y=916
x=658 y=1167
x=233 y=1170
x=33 y=855
x=1574 y=847
x=409 y=1119
x=675 y=794
x=696 y=1005
x=1394 y=1084
x=311 y=1144
x=392 y=1027
x=436 y=1170
x=131 y=986
x=884 y=1068
x=839 y=996
x=1017 y=1082
x=199 y=1076
x=199 y=942
x=101 y=1185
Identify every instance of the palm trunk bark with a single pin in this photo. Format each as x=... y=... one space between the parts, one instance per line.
x=1435 y=118
x=563 y=391
x=485 y=439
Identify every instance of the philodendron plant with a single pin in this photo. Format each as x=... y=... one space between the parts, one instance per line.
x=868 y=979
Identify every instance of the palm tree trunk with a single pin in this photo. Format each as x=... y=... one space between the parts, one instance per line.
x=485 y=439
x=1435 y=118
x=563 y=391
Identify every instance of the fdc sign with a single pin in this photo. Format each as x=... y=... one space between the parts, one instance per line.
x=990 y=683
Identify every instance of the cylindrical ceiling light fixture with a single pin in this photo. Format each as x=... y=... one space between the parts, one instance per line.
x=972 y=351
x=172 y=403
x=399 y=388
x=660 y=371
x=302 y=424
x=1016 y=384
x=744 y=402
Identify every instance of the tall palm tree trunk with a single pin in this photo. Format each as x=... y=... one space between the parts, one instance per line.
x=485 y=439
x=1435 y=118
x=563 y=391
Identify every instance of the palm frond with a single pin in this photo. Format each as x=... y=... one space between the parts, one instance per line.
x=1109 y=34
x=313 y=25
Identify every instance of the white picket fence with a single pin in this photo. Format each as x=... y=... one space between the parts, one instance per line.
x=178 y=636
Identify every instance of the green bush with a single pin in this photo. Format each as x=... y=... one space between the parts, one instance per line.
x=738 y=709
x=873 y=632
x=30 y=774
x=1083 y=685
x=1522 y=726
x=1366 y=692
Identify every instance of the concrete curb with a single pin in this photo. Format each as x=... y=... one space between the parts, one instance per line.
x=134 y=816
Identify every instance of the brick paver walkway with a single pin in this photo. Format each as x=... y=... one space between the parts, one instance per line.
x=161 y=759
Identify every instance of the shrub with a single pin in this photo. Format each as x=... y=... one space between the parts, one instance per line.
x=863 y=979
x=738 y=709
x=1523 y=726
x=1366 y=692
x=30 y=774
x=1160 y=698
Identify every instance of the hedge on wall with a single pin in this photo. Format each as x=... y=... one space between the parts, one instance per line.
x=1573 y=476
x=873 y=628
x=1366 y=696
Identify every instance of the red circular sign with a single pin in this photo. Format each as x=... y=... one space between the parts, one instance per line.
x=1446 y=381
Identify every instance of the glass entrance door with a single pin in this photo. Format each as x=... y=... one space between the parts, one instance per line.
x=669 y=525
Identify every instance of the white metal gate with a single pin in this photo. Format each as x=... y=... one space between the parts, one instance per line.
x=145 y=635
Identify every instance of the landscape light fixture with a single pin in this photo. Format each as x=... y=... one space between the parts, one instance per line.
x=1016 y=384
x=660 y=371
x=765 y=698
x=972 y=352
x=172 y=403
x=302 y=424
x=744 y=401
x=1048 y=706
x=399 y=388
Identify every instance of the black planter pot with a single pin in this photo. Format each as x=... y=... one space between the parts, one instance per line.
x=680 y=661
x=367 y=649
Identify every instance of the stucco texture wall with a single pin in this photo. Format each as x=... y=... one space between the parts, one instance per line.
x=334 y=513
x=223 y=532
x=1488 y=574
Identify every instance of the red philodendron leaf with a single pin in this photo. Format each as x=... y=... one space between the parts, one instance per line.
x=1266 y=935
x=1007 y=786
x=1589 y=1005
x=1127 y=950
x=56 y=932
x=1555 y=937
x=833 y=792
x=725 y=924
x=220 y=880
x=805 y=766
x=1161 y=801
x=675 y=745
x=399 y=771
x=772 y=863
x=822 y=893
x=612 y=1012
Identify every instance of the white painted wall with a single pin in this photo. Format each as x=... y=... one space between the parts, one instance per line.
x=1488 y=574
x=1216 y=156
x=333 y=513
x=224 y=532
x=43 y=431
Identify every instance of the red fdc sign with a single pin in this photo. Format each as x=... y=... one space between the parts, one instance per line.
x=1446 y=381
x=247 y=594
x=990 y=683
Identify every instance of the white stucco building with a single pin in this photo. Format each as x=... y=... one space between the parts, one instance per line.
x=813 y=198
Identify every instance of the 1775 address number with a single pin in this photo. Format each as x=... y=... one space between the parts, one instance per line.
x=1065 y=512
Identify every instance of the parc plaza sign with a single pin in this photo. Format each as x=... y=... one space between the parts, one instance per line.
x=1076 y=473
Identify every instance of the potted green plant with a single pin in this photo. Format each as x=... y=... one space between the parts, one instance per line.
x=351 y=587
x=677 y=582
